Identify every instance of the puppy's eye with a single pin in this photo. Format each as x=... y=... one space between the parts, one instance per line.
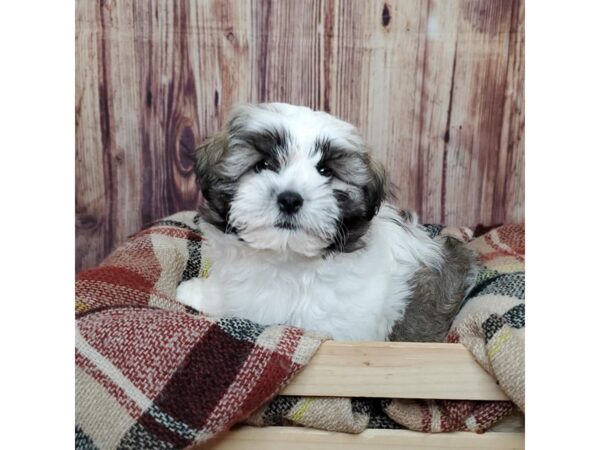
x=263 y=165
x=325 y=171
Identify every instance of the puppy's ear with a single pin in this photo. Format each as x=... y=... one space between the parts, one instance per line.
x=376 y=189
x=217 y=191
x=212 y=150
x=208 y=155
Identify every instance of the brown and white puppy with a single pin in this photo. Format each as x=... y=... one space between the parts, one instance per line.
x=297 y=232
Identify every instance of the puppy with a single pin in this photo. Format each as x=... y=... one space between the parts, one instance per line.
x=297 y=232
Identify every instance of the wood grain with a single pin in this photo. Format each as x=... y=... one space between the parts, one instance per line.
x=435 y=85
x=297 y=438
x=395 y=370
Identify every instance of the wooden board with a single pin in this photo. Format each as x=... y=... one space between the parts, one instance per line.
x=292 y=438
x=435 y=85
x=395 y=370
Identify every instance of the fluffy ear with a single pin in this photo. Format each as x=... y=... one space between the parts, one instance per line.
x=208 y=155
x=211 y=152
x=217 y=191
x=376 y=189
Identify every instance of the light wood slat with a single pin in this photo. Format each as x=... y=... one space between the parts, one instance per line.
x=395 y=370
x=292 y=438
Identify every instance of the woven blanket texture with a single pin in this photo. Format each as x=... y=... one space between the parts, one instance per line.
x=153 y=374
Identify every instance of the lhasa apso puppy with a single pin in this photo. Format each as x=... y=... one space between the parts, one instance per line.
x=297 y=232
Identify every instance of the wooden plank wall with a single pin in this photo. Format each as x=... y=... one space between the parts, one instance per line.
x=435 y=85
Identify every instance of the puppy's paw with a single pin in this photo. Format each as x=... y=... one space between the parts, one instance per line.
x=189 y=293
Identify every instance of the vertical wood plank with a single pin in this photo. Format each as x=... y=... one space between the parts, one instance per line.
x=433 y=107
x=169 y=125
x=120 y=99
x=473 y=151
x=509 y=192
x=436 y=86
x=91 y=202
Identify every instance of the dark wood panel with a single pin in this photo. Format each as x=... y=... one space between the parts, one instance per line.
x=436 y=86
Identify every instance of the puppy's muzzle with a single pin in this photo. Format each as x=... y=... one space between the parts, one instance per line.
x=289 y=202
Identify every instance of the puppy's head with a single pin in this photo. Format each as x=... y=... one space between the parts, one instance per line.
x=290 y=179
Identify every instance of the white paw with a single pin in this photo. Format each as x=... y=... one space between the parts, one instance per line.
x=190 y=293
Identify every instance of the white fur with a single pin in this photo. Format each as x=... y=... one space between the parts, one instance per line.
x=351 y=296
x=254 y=209
x=280 y=276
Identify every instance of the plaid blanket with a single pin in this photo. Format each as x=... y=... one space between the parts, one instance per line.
x=153 y=374
x=491 y=324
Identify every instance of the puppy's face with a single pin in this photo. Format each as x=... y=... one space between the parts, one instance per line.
x=289 y=179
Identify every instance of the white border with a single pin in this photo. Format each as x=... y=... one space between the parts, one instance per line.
x=562 y=190
x=37 y=88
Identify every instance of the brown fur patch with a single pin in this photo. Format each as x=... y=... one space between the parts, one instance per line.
x=437 y=296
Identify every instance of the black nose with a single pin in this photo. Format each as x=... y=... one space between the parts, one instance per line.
x=289 y=202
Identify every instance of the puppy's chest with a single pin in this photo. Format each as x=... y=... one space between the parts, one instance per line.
x=325 y=295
